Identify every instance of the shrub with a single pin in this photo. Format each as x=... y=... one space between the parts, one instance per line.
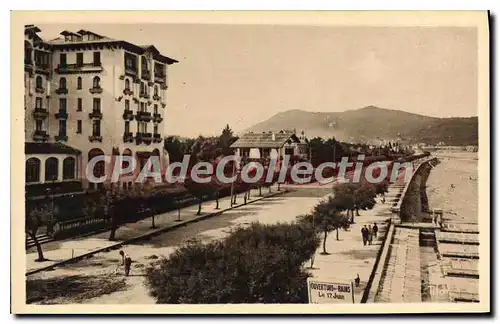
x=258 y=264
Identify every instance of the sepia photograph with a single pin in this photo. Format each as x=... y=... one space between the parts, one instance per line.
x=269 y=162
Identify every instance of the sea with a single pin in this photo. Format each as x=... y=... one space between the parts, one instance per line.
x=453 y=186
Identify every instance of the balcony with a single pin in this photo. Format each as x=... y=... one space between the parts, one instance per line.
x=62 y=138
x=156 y=97
x=39 y=90
x=159 y=78
x=128 y=92
x=62 y=114
x=95 y=138
x=128 y=115
x=79 y=68
x=144 y=95
x=164 y=86
x=40 y=113
x=143 y=138
x=157 y=138
x=163 y=104
x=157 y=118
x=28 y=66
x=95 y=90
x=42 y=69
x=95 y=114
x=40 y=136
x=143 y=116
x=62 y=91
x=145 y=75
x=131 y=71
x=128 y=137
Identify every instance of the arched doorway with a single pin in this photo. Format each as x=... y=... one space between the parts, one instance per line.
x=99 y=169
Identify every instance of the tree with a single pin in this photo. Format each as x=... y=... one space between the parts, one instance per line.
x=344 y=197
x=257 y=264
x=225 y=140
x=326 y=216
x=110 y=199
x=200 y=191
x=364 y=197
x=145 y=194
x=36 y=218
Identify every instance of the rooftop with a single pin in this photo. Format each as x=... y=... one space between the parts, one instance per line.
x=265 y=140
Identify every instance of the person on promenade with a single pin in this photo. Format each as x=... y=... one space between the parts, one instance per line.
x=370 y=234
x=126 y=261
x=375 y=230
x=364 y=234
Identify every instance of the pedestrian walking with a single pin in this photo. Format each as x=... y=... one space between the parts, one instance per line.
x=357 y=280
x=375 y=230
x=364 y=234
x=370 y=234
x=126 y=261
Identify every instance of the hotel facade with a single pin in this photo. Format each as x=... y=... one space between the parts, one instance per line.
x=88 y=95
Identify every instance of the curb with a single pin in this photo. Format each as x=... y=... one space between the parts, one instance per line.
x=148 y=235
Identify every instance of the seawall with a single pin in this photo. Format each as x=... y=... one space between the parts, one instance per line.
x=415 y=204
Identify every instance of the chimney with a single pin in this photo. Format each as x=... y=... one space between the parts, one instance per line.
x=273 y=136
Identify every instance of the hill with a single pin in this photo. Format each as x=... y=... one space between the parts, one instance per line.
x=369 y=123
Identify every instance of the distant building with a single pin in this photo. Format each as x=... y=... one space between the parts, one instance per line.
x=89 y=95
x=271 y=145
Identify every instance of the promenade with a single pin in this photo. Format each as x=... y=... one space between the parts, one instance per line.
x=348 y=255
x=58 y=251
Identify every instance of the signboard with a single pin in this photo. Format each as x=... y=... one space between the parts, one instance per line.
x=329 y=292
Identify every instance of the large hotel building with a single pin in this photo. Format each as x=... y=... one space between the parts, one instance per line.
x=88 y=95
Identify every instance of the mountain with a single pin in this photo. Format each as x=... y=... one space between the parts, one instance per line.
x=369 y=123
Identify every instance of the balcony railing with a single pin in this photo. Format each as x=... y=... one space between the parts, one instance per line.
x=95 y=90
x=128 y=92
x=62 y=114
x=157 y=118
x=95 y=138
x=77 y=68
x=159 y=78
x=61 y=137
x=156 y=97
x=28 y=67
x=40 y=136
x=143 y=95
x=95 y=114
x=164 y=86
x=128 y=115
x=128 y=137
x=130 y=71
x=40 y=113
x=42 y=69
x=39 y=90
x=62 y=91
x=143 y=116
x=143 y=137
x=157 y=138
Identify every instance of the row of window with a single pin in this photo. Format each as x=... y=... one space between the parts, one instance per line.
x=131 y=65
x=63 y=61
x=142 y=127
x=96 y=83
x=143 y=88
x=51 y=169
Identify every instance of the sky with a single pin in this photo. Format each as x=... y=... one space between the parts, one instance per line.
x=244 y=74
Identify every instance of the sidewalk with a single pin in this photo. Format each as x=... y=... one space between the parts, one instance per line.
x=59 y=251
x=348 y=257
